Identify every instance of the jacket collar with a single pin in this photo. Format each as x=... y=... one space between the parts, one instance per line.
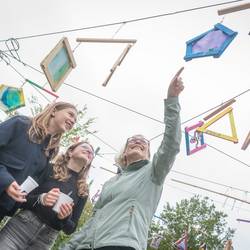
x=136 y=165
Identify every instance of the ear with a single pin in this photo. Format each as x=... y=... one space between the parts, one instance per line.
x=125 y=159
x=53 y=113
x=70 y=154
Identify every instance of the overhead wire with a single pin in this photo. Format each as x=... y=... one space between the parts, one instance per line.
x=121 y=106
x=144 y=115
x=125 y=21
x=206 y=180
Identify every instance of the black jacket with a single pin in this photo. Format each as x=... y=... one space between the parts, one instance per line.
x=46 y=214
x=19 y=158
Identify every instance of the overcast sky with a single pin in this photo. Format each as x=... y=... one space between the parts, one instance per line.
x=141 y=83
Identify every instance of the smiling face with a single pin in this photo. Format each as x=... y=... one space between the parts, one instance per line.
x=137 y=148
x=82 y=154
x=62 y=120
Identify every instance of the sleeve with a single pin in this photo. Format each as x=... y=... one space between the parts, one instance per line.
x=7 y=132
x=32 y=199
x=70 y=223
x=164 y=158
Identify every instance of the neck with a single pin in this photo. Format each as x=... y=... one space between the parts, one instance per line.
x=75 y=165
x=131 y=160
x=51 y=130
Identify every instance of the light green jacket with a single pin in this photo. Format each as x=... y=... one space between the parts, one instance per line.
x=123 y=213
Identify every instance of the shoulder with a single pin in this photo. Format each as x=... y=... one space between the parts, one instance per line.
x=22 y=121
x=19 y=119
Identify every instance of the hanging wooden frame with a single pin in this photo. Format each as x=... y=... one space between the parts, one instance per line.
x=58 y=64
x=210 y=43
x=198 y=139
x=118 y=62
x=11 y=98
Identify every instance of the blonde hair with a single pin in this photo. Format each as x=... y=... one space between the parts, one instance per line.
x=38 y=130
x=61 y=170
x=120 y=157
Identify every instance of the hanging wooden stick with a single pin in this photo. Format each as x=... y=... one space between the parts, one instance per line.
x=247 y=221
x=111 y=40
x=105 y=40
x=234 y=9
x=38 y=86
x=246 y=142
x=219 y=109
x=117 y=63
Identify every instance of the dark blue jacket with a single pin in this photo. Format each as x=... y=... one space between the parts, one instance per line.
x=19 y=157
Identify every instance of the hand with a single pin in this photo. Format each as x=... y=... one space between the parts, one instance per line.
x=50 y=198
x=65 y=210
x=14 y=191
x=176 y=85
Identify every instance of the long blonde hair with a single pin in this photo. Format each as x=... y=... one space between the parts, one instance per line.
x=37 y=131
x=61 y=170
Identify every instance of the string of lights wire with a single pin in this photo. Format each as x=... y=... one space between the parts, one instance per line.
x=126 y=21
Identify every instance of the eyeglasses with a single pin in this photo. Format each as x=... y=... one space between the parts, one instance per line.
x=141 y=140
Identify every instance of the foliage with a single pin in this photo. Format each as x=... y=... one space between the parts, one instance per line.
x=62 y=237
x=199 y=217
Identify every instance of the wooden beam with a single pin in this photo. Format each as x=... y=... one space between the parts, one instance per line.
x=234 y=9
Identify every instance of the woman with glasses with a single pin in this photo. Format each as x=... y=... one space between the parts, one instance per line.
x=37 y=225
x=127 y=203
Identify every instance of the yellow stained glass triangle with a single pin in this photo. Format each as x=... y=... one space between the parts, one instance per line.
x=232 y=137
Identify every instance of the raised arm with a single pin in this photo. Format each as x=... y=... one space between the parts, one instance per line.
x=164 y=158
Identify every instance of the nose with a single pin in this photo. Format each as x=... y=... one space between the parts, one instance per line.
x=73 y=121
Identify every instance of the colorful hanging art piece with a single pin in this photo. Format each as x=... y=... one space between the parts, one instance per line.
x=194 y=141
x=181 y=244
x=156 y=241
x=38 y=86
x=58 y=64
x=11 y=98
x=118 y=62
x=203 y=246
x=211 y=43
x=232 y=137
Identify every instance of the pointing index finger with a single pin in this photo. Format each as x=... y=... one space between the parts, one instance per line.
x=178 y=73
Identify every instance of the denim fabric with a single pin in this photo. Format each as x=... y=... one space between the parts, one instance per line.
x=25 y=231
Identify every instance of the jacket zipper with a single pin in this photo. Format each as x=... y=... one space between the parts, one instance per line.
x=131 y=211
